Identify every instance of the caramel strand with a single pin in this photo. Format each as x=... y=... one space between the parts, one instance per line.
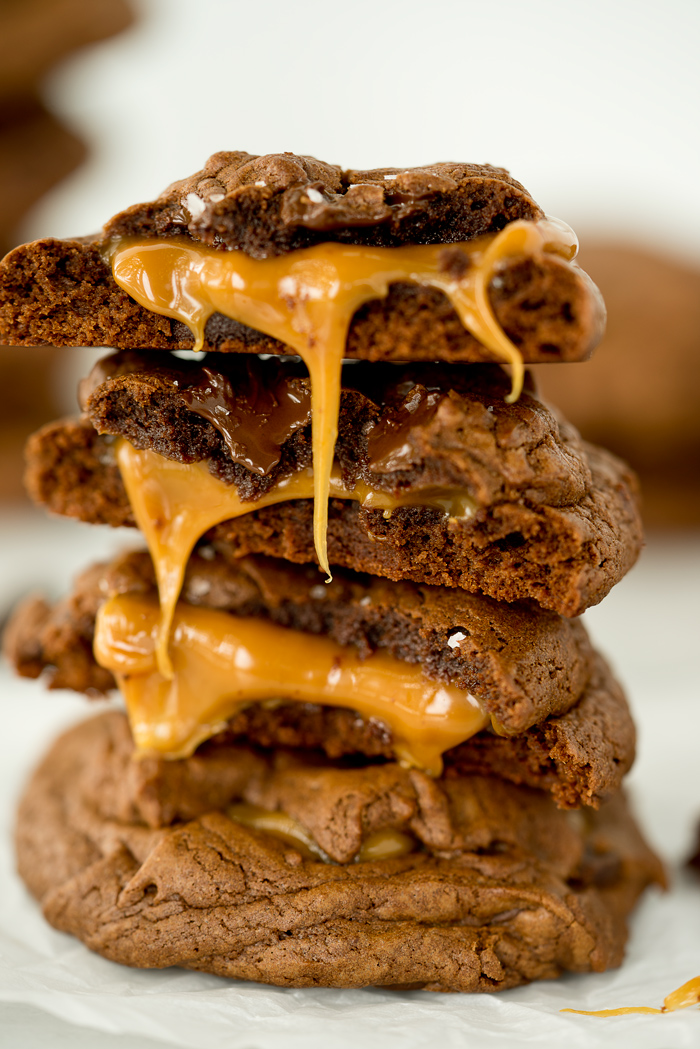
x=175 y=503
x=307 y=298
x=682 y=998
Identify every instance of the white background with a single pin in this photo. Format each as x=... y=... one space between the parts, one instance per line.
x=593 y=104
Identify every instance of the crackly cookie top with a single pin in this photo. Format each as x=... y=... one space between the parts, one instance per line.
x=269 y=205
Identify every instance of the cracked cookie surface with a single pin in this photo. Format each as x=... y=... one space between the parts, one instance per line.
x=501 y=889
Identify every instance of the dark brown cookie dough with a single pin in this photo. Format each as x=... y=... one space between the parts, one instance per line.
x=580 y=756
x=269 y=205
x=63 y=293
x=501 y=889
x=523 y=664
x=525 y=541
x=401 y=427
x=564 y=558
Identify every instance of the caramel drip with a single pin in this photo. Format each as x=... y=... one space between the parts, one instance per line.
x=682 y=998
x=381 y=845
x=223 y=663
x=174 y=504
x=306 y=299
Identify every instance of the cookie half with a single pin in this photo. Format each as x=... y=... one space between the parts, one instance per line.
x=562 y=721
x=438 y=478
x=63 y=292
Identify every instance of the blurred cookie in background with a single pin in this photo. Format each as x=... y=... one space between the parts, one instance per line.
x=37 y=34
x=36 y=151
x=638 y=394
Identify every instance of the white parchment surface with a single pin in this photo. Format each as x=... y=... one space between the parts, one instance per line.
x=54 y=992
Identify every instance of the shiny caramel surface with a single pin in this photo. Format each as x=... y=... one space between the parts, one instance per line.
x=175 y=503
x=221 y=663
x=306 y=299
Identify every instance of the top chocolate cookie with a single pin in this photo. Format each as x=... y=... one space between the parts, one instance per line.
x=277 y=203
x=63 y=292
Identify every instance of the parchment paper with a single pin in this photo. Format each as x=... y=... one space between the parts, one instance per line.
x=53 y=991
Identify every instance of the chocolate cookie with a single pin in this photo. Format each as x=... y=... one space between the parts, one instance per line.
x=401 y=427
x=523 y=663
x=269 y=205
x=63 y=292
x=568 y=726
x=552 y=519
x=495 y=887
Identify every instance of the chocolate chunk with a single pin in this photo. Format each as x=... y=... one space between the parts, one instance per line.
x=255 y=420
x=503 y=889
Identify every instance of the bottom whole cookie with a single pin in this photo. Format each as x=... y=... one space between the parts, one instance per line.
x=499 y=887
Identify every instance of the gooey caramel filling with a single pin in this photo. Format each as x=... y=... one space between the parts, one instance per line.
x=174 y=504
x=306 y=299
x=223 y=663
x=385 y=844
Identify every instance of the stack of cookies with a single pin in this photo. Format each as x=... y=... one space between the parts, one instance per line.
x=367 y=740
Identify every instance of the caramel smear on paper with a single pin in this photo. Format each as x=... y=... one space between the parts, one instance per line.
x=682 y=998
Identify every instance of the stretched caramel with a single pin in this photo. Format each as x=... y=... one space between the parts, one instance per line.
x=174 y=504
x=306 y=299
x=223 y=663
